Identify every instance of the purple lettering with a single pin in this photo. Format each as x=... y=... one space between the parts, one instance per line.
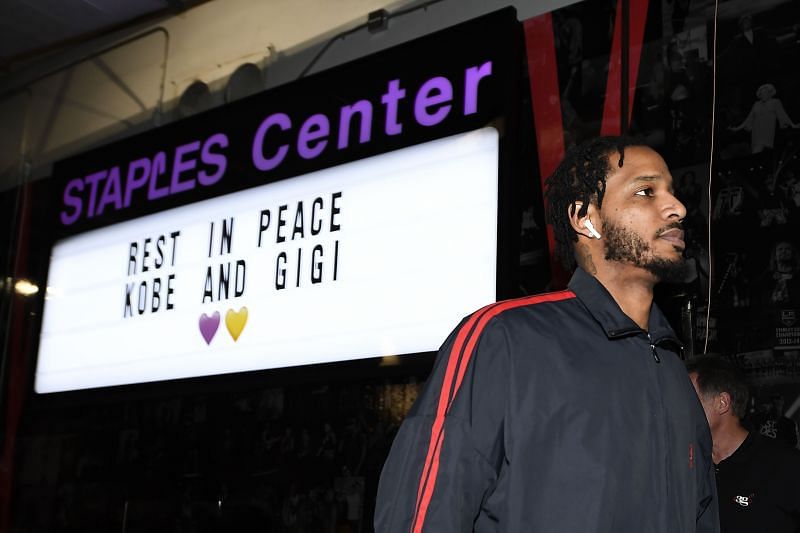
x=259 y=160
x=159 y=167
x=473 y=76
x=313 y=130
x=393 y=94
x=364 y=109
x=435 y=91
x=92 y=180
x=182 y=165
x=74 y=202
x=133 y=182
x=212 y=158
x=112 y=192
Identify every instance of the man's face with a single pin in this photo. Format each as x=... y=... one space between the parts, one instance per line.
x=642 y=217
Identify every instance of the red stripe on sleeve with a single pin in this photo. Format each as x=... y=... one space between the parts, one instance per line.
x=482 y=317
x=438 y=422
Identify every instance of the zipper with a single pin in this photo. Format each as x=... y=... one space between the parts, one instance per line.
x=653 y=349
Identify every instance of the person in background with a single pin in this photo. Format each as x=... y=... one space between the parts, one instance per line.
x=758 y=479
x=570 y=411
x=766 y=114
x=779 y=284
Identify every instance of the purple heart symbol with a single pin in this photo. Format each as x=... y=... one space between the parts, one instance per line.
x=209 y=325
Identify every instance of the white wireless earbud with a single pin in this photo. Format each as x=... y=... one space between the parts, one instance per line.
x=591 y=229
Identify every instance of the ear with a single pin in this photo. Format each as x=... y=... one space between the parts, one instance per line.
x=578 y=223
x=723 y=403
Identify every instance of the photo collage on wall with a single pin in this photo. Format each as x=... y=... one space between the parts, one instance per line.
x=741 y=296
x=756 y=195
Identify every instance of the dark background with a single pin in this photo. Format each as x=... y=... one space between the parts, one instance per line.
x=301 y=450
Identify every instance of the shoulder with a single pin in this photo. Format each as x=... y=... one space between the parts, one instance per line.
x=490 y=325
x=507 y=309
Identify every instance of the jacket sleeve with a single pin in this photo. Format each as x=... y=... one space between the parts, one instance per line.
x=707 y=518
x=447 y=454
x=708 y=504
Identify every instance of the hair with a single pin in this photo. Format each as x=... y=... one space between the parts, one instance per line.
x=580 y=177
x=715 y=376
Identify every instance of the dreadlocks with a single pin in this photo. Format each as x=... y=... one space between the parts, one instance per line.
x=581 y=177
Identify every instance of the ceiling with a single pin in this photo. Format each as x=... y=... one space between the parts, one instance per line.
x=29 y=28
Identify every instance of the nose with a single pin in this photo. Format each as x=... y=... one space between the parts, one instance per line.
x=674 y=208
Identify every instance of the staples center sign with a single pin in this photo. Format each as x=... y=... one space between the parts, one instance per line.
x=347 y=215
x=202 y=162
x=379 y=256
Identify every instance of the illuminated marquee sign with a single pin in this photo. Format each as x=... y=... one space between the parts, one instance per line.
x=375 y=257
x=356 y=213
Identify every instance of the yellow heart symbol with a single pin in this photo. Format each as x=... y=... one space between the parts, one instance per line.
x=235 y=322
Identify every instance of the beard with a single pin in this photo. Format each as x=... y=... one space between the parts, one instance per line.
x=625 y=246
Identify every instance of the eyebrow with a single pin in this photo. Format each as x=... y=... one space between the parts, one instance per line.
x=653 y=178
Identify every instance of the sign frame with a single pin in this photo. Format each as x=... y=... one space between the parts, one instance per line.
x=445 y=54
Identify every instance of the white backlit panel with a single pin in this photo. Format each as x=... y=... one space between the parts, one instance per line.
x=382 y=256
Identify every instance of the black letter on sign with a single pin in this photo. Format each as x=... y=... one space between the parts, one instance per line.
x=316 y=227
x=281 y=223
x=132 y=260
x=142 y=297
x=170 y=291
x=316 y=264
x=298 y=221
x=280 y=271
x=224 y=280
x=128 y=309
x=262 y=226
x=207 y=289
x=156 y=302
x=226 y=237
x=160 y=250
x=237 y=290
x=335 y=210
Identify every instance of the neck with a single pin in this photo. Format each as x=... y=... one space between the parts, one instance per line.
x=631 y=288
x=727 y=438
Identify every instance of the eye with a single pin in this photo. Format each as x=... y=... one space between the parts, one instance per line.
x=648 y=191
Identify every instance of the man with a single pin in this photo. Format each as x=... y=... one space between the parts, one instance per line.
x=567 y=412
x=758 y=479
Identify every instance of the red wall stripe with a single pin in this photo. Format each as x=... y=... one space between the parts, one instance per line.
x=546 y=103
x=546 y=99
x=611 y=124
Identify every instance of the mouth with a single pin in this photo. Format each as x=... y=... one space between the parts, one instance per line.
x=673 y=236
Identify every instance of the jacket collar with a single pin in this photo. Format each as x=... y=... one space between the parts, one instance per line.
x=606 y=311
